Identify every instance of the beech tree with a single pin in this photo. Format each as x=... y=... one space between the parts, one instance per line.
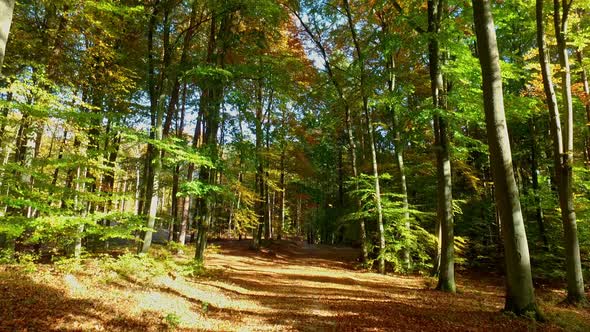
x=520 y=296
x=6 y=9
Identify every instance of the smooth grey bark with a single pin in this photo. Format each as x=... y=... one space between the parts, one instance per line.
x=575 y=278
x=446 y=255
x=520 y=295
x=6 y=10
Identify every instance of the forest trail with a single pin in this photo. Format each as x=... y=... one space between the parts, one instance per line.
x=294 y=286
x=288 y=286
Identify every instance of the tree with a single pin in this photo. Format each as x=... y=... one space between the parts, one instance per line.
x=6 y=9
x=360 y=59
x=520 y=296
x=316 y=38
x=446 y=267
x=563 y=143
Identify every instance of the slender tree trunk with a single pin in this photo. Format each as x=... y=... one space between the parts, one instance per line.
x=174 y=205
x=562 y=146
x=446 y=268
x=137 y=189
x=157 y=99
x=268 y=207
x=369 y=123
x=259 y=168
x=186 y=205
x=210 y=104
x=6 y=9
x=157 y=166
x=399 y=158
x=282 y=194
x=584 y=78
x=520 y=295
x=575 y=279
x=183 y=203
x=353 y=161
x=123 y=202
x=80 y=231
x=377 y=192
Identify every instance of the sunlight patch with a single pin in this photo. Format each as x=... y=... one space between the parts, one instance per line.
x=75 y=287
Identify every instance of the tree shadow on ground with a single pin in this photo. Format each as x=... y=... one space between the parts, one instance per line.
x=31 y=306
x=308 y=297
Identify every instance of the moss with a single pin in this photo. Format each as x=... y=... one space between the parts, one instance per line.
x=446 y=285
x=531 y=311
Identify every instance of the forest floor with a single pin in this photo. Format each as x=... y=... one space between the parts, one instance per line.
x=288 y=286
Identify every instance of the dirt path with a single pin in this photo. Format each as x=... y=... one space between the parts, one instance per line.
x=312 y=288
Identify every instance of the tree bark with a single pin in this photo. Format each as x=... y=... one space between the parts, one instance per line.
x=575 y=279
x=446 y=267
x=6 y=10
x=520 y=296
x=210 y=104
x=157 y=112
x=584 y=78
x=369 y=123
x=562 y=145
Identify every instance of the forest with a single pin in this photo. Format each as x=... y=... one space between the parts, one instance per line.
x=294 y=165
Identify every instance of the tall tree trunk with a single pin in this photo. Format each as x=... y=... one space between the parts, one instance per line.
x=80 y=230
x=369 y=123
x=399 y=157
x=446 y=267
x=584 y=78
x=259 y=168
x=183 y=203
x=520 y=295
x=575 y=279
x=156 y=167
x=6 y=9
x=210 y=104
x=157 y=99
x=353 y=161
x=282 y=193
x=562 y=145
x=268 y=205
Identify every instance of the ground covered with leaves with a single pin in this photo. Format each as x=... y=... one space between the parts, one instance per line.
x=287 y=286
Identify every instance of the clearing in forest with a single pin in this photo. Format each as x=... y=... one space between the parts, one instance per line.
x=289 y=286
